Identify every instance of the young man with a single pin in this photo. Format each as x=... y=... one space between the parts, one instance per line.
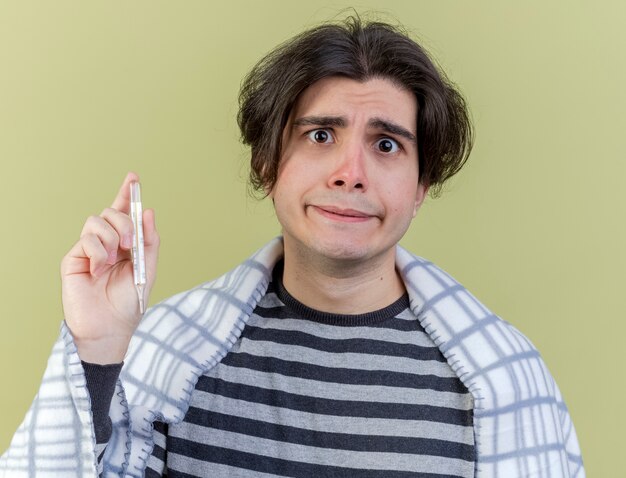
x=330 y=352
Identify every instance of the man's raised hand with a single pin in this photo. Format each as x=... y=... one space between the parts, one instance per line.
x=99 y=298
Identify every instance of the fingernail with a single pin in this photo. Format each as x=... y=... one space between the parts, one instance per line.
x=98 y=271
x=112 y=257
x=127 y=241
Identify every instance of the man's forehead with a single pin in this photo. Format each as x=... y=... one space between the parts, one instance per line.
x=341 y=98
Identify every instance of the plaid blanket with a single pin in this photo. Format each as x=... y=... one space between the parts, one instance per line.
x=521 y=424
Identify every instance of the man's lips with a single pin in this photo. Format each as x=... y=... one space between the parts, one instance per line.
x=343 y=214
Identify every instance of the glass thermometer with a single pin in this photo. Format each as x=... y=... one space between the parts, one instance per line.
x=137 y=253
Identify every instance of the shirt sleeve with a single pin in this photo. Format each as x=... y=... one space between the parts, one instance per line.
x=101 y=380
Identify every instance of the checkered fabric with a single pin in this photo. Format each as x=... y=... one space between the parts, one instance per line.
x=521 y=424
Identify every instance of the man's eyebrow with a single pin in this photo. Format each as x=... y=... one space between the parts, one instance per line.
x=393 y=128
x=323 y=121
x=340 y=122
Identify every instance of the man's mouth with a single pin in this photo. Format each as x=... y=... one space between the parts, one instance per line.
x=343 y=214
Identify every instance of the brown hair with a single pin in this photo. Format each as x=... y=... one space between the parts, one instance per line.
x=359 y=51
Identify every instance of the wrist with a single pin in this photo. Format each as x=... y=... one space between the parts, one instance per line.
x=104 y=351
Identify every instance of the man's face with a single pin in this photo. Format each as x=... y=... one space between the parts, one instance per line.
x=347 y=185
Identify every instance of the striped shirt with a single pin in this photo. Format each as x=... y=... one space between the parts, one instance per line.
x=305 y=393
x=520 y=421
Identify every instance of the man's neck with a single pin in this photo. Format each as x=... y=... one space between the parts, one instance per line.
x=342 y=287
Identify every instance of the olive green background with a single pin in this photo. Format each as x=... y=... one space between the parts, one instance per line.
x=534 y=225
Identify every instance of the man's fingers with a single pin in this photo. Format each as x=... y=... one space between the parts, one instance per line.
x=106 y=233
x=87 y=255
x=98 y=255
x=151 y=243
x=75 y=261
x=107 y=238
x=122 y=200
x=121 y=224
x=150 y=234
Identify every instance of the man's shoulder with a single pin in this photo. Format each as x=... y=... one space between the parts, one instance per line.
x=440 y=301
x=485 y=351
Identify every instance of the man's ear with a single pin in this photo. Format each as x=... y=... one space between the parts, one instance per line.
x=422 y=192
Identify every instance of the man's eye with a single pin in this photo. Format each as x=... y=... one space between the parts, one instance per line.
x=387 y=145
x=320 y=136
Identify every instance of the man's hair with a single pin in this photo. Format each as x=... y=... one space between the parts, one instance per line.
x=359 y=51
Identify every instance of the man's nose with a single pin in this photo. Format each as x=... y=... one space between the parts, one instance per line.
x=350 y=169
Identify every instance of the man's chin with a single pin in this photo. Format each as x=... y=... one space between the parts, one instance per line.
x=342 y=252
x=334 y=248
